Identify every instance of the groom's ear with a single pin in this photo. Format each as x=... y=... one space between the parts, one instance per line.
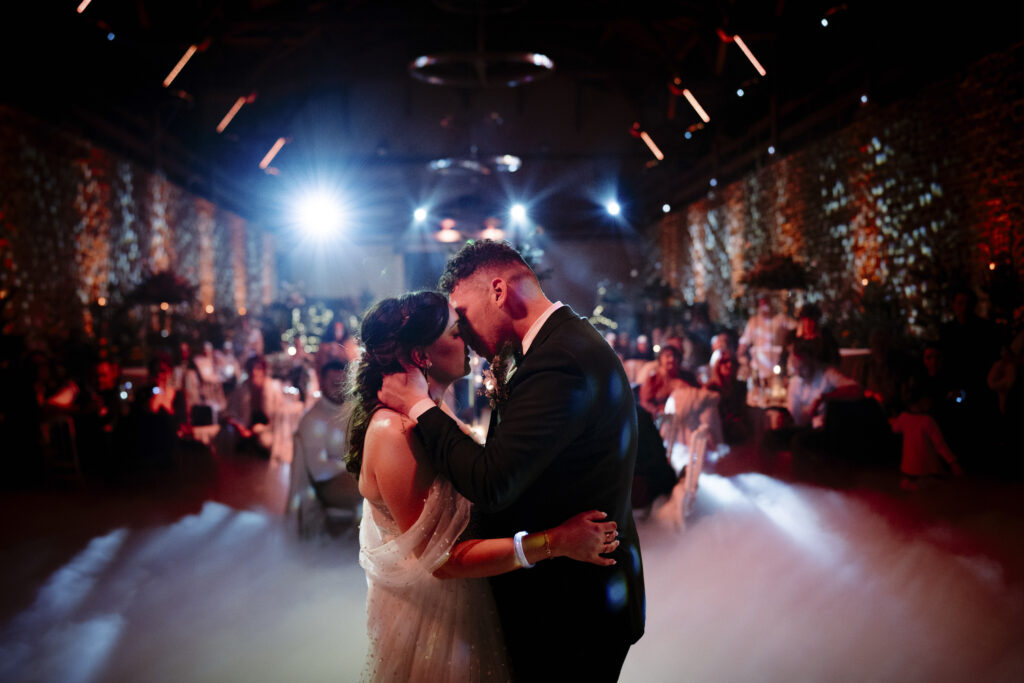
x=499 y=291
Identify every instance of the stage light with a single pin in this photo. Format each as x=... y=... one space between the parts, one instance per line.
x=164 y=306
x=863 y=99
x=687 y=135
x=651 y=146
x=420 y=214
x=713 y=182
x=750 y=55
x=824 y=22
x=319 y=214
x=771 y=149
x=739 y=92
x=209 y=309
x=82 y=5
x=696 y=106
x=102 y=301
x=665 y=208
x=180 y=65
x=110 y=36
x=518 y=213
x=613 y=208
x=992 y=265
x=864 y=282
x=274 y=149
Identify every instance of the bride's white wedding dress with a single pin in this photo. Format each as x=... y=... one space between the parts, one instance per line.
x=422 y=628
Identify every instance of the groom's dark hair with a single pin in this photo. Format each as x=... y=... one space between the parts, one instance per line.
x=476 y=255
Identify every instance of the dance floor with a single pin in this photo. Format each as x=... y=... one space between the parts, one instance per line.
x=194 y=576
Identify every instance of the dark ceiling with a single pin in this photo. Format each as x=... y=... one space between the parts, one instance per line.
x=334 y=79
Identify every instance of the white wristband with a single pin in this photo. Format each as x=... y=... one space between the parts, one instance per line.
x=517 y=546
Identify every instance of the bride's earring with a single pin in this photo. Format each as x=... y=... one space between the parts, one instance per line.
x=426 y=369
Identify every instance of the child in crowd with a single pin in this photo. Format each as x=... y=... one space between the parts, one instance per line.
x=923 y=445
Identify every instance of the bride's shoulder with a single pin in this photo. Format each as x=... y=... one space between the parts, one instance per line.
x=387 y=421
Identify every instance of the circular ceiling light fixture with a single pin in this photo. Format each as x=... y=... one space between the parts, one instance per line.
x=481 y=69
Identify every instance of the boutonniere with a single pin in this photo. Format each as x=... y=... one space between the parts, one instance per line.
x=496 y=377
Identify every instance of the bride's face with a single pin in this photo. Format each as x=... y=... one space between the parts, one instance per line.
x=448 y=354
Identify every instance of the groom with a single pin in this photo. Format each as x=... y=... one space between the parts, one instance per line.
x=562 y=440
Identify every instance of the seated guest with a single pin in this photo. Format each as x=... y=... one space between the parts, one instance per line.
x=319 y=479
x=254 y=405
x=658 y=386
x=923 y=445
x=337 y=344
x=813 y=383
x=652 y=474
x=159 y=414
x=884 y=373
x=732 y=402
x=642 y=350
x=808 y=326
x=205 y=388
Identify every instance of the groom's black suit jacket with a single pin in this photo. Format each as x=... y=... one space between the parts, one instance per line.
x=563 y=443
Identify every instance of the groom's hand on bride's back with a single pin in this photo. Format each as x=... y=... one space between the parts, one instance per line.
x=402 y=390
x=585 y=537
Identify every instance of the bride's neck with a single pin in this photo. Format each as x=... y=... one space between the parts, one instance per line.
x=436 y=390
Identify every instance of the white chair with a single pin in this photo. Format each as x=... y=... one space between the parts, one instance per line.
x=691 y=428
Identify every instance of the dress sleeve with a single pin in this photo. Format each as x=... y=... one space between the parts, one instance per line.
x=398 y=559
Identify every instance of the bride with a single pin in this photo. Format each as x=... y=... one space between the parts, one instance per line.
x=429 y=615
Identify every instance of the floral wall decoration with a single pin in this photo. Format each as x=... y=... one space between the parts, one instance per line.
x=80 y=229
x=911 y=200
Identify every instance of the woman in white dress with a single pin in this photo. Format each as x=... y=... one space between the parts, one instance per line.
x=429 y=615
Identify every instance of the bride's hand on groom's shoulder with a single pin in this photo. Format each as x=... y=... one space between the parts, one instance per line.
x=585 y=537
x=402 y=390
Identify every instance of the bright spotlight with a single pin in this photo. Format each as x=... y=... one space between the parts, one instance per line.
x=320 y=214
x=771 y=149
x=665 y=208
x=740 y=92
x=518 y=213
x=824 y=22
x=420 y=214
x=713 y=182
x=613 y=208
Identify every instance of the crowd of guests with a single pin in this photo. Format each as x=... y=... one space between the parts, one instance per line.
x=72 y=409
x=945 y=406
x=949 y=405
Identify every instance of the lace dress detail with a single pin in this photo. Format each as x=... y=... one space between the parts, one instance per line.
x=422 y=628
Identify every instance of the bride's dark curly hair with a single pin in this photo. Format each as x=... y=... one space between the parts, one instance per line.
x=391 y=329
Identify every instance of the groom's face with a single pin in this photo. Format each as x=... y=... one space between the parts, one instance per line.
x=478 y=315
